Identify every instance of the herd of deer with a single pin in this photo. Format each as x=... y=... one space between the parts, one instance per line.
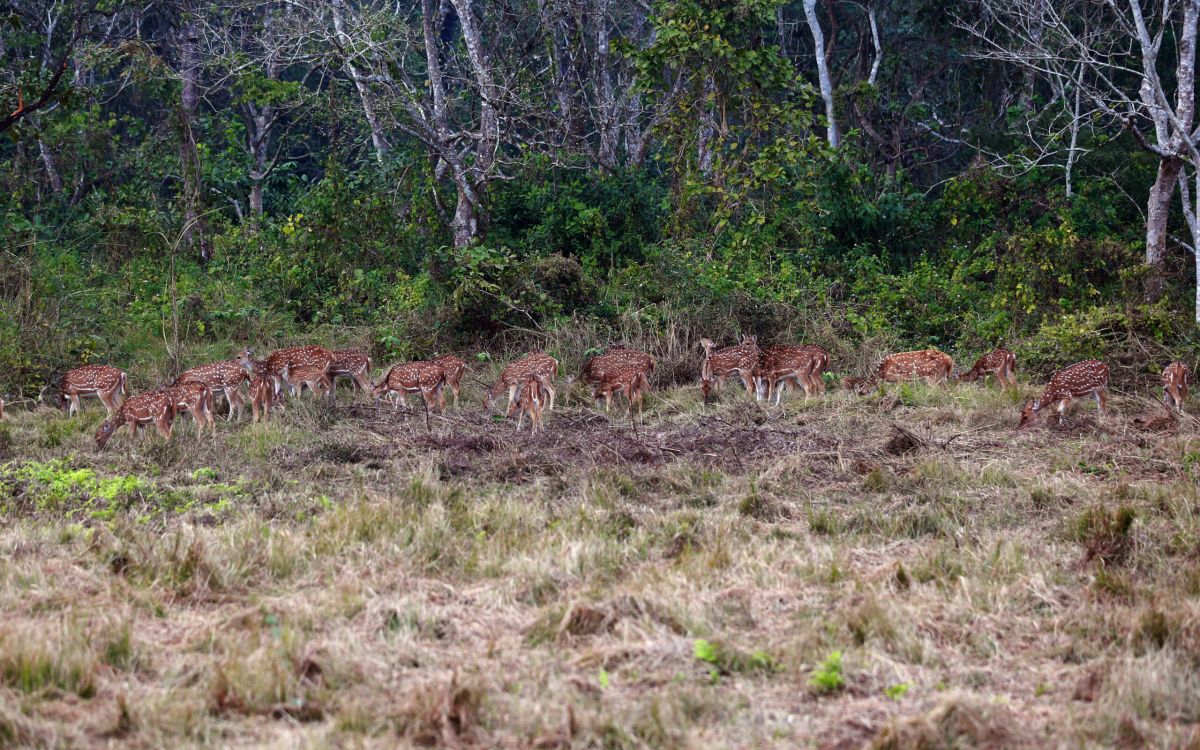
x=529 y=381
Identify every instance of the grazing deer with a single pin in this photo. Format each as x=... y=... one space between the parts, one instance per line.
x=454 y=369
x=595 y=369
x=1087 y=378
x=221 y=378
x=316 y=357
x=262 y=394
x=1001 y=364
x=316 y=377
x=533 y=392
x=104 y=382
x=628 y=379
x=1175 y=380
x=196 y=399
x=780 y=365
x=353 y=364
x=155 y=407
x=426 y=378
x=534 y=363
x=932 y=365
x=740 y=360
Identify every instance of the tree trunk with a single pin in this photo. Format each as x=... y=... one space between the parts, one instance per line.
x=465 y=224
x=378 y=140
x=823 y=78
x=193 y=235
x=607 y=109
x=1158 y=210
x=52 y=176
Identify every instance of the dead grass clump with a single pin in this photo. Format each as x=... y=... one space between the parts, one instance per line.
x=33 y=661
x=958 y=721
x=442 y=714
x=902 y=441
x=1106 y=535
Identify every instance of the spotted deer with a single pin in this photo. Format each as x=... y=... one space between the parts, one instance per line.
x=196 y=399
x=780 y=365
x=354 y=364
x=595 y=369
x=628 y=379
x=1087 y=378
x=533 y=392
x=314 y=357
x=262 y=395
x=315 y=377
x=222 y=378
x=511 y=377
x=104 y=382
x=1001 y=364
x=153 y=408
x=740 y=360
x=426 y=378
x=454 y=369
x=929 y=364
x=1175 y=380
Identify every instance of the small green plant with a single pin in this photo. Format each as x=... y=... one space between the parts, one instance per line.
x=723 y=659
x=897 y=691
x=828 y=676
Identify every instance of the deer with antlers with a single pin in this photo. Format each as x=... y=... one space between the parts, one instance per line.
x=719 y=364
x=512 y=376
x=1000 y=364
x=426 y=378
x=196 y=399
x=354 y=364
x=221 y=378
x=454 y=369
x=1087 y=378
x=1175 y=380
x=154 y=408
x=780 y=366
x=307 y=358
x=533 y=393
x=102 y=381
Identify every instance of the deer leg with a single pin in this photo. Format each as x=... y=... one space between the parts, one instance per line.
x=746 y=381
x=1101 y=402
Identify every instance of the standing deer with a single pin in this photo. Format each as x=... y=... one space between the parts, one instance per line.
x=1001 y=364
x=627 y=379
x=353 y=364
x=221 y=378
x=426 y=378
x=155 y=407
x=1175 y=380
x=1087 y=378
x=196 y=399
x=316 y=377
x=308 y=357
x=740 y=360
x=454 y=369
x=104 y=382
x=780 y=365
x=511 y=377
x=533 y=392
x=262 y=395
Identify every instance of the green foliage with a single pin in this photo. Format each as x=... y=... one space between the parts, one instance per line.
x=828 y=677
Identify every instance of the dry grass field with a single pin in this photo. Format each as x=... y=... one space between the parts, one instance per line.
x=901 y=570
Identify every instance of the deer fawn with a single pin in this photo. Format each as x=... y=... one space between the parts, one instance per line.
x=104 y=382
x=196 y=399
x=454 y=369
x=315 y=377
x=353 y=364
x=1175 y=380
x=262 y=395
x=314 y=357
x=155 y=407
x=740 y=360
x=533 y=392
x=426 y=378
x=629 y=379
x=1001 y=364
x=1087 y=378
x=512 y=376
x=780 y=365
x=221 y=378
